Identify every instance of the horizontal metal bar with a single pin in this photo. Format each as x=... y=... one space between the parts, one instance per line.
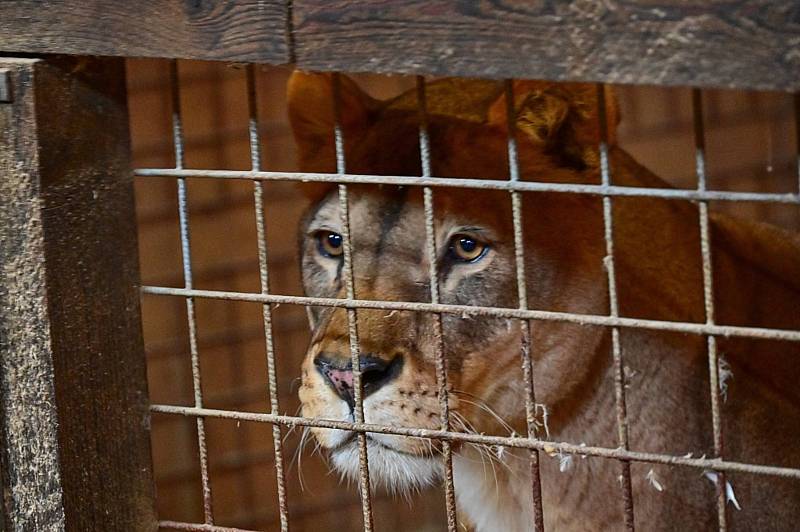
x=482 y=439
x=467 y=310
x=197 y=527
x=485 y=184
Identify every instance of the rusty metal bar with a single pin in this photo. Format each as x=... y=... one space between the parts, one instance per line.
x=177 y=120
x=580 y=319
x=613 y=303
x=183 y=212
x=482 y=439
x=479 y=184
x=352 y=318
x=441 y=361
x=708 y=299
x=263 y=268
x=522 y=296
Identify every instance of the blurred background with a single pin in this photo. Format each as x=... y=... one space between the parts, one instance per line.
x=751 y=146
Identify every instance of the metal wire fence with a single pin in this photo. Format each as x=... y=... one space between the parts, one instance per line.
x=444 y=435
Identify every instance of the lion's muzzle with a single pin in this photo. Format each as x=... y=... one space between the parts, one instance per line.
x=375 y=373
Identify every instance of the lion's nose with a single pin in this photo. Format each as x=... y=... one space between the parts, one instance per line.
x=375 y=373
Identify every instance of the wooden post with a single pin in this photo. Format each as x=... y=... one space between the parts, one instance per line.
x=74 y=420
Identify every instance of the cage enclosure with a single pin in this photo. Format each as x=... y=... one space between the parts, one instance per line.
x=399 y=266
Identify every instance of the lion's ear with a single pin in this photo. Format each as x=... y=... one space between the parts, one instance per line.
x=311 y=114
x=560 y=117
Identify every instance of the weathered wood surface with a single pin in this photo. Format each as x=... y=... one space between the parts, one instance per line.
x=752 y=44
x=230 y=30
x=745 y=43
x=74 y=420
x=28 y=433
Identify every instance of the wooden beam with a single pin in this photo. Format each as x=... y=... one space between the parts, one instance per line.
x=752 y=44
x=74 y=420
x=746 y=44
x=226 y=30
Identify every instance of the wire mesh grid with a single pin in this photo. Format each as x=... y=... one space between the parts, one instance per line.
x=525 y=317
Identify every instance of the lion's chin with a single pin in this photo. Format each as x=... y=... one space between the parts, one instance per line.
x=392 y=470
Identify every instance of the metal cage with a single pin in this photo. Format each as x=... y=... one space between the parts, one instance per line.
x=50 y=291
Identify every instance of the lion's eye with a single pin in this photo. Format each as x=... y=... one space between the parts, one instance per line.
x=329 y=243
x=465 y=248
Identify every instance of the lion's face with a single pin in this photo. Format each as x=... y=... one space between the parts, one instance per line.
x=475 y=260
x=398 y=349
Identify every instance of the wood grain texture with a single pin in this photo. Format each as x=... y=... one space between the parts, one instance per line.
x=752 y=44
x=229 y=30
x=748 y=44
x=74 y=421
x=28 y=417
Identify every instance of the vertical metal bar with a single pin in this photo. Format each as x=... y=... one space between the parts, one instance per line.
x=708 y=298
x=183 y=214
x=522 y=294
x=352 y=323
x=263 y=267
x=177 y=122
x=613 y=303
x=441 y=361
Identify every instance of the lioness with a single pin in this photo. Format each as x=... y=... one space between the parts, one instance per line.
x=658 y=269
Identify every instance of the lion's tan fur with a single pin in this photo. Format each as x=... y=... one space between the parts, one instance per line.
x=658 y=271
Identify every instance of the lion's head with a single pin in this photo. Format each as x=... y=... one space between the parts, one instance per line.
x=664 y=380
x=557 y=136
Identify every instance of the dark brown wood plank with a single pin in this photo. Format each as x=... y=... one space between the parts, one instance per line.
x=74 y=419
x=230 y=30
x=751 y=44
x=28 y=417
